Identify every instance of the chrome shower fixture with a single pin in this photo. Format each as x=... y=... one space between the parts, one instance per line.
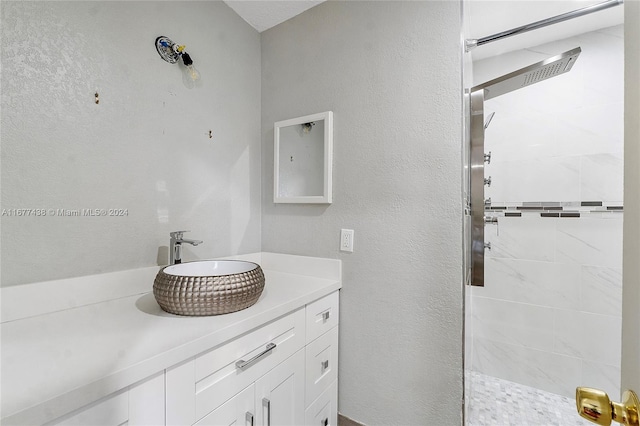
x=471 y=44
x=532 y=74
x=507 y=83
x=171 y=52
x=488 y=121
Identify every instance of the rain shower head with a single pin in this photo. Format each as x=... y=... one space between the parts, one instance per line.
x=527 y=76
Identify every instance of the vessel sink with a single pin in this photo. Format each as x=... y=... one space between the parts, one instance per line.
x=210 y=268
x=208 y=287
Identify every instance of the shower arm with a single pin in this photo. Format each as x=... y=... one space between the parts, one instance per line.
x=472 y=43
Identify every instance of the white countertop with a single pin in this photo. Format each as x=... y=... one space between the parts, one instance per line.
x=57 y=362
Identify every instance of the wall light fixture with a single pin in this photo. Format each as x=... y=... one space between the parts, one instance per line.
x=172 y=52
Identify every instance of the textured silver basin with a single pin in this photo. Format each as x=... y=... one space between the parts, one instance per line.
x=208 y=287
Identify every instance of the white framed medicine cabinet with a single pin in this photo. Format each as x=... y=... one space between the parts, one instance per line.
x=303 y=157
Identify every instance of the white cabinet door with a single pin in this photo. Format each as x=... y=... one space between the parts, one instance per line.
x=113 y=411
x=238 y=411
x=141 y=405
x=324 y=410
x=180 y=388
x=280 y=394
x=146 y=403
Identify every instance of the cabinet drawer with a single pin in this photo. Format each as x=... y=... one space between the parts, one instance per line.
x=324 y=410
x=322 y=315
x=321 y=364
x=217 y=375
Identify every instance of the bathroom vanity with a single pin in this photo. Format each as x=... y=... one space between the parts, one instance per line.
x=125 y=361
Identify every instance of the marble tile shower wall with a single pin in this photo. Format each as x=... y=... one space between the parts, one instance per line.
x=549 y=314
x=561 y=139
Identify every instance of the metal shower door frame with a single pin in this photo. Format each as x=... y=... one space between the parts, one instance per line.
x=476 y=186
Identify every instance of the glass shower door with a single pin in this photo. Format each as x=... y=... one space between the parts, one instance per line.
x=547 y=319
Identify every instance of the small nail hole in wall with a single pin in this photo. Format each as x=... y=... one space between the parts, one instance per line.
x=97 y=97
x=210 y=134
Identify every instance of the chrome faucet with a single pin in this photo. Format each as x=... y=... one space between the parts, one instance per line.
x=175 y=247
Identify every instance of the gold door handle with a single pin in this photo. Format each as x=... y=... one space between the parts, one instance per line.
x=595 y=406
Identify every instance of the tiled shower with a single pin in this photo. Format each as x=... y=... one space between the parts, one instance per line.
x=549 y=315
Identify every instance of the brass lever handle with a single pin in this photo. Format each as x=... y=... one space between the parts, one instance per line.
x=595 y=406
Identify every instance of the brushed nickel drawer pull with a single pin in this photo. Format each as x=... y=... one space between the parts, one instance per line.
x=244 y=364
x=249 y=418
x=325 y=315
x=325 y=365
x=267 y=403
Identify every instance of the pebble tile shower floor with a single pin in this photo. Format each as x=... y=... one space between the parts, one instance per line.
x=497 y=402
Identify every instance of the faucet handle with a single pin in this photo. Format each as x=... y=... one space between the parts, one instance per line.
x=177 y=234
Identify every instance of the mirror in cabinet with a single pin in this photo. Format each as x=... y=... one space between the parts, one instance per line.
x=303 y=156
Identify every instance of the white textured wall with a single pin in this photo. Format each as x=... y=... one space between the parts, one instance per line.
x=144 y=148
x=391 y=73
x=549 y=278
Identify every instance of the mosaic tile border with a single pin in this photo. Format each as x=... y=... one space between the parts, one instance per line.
x=553 y=209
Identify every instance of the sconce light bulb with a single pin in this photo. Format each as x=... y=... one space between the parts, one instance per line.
x=193 y=72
